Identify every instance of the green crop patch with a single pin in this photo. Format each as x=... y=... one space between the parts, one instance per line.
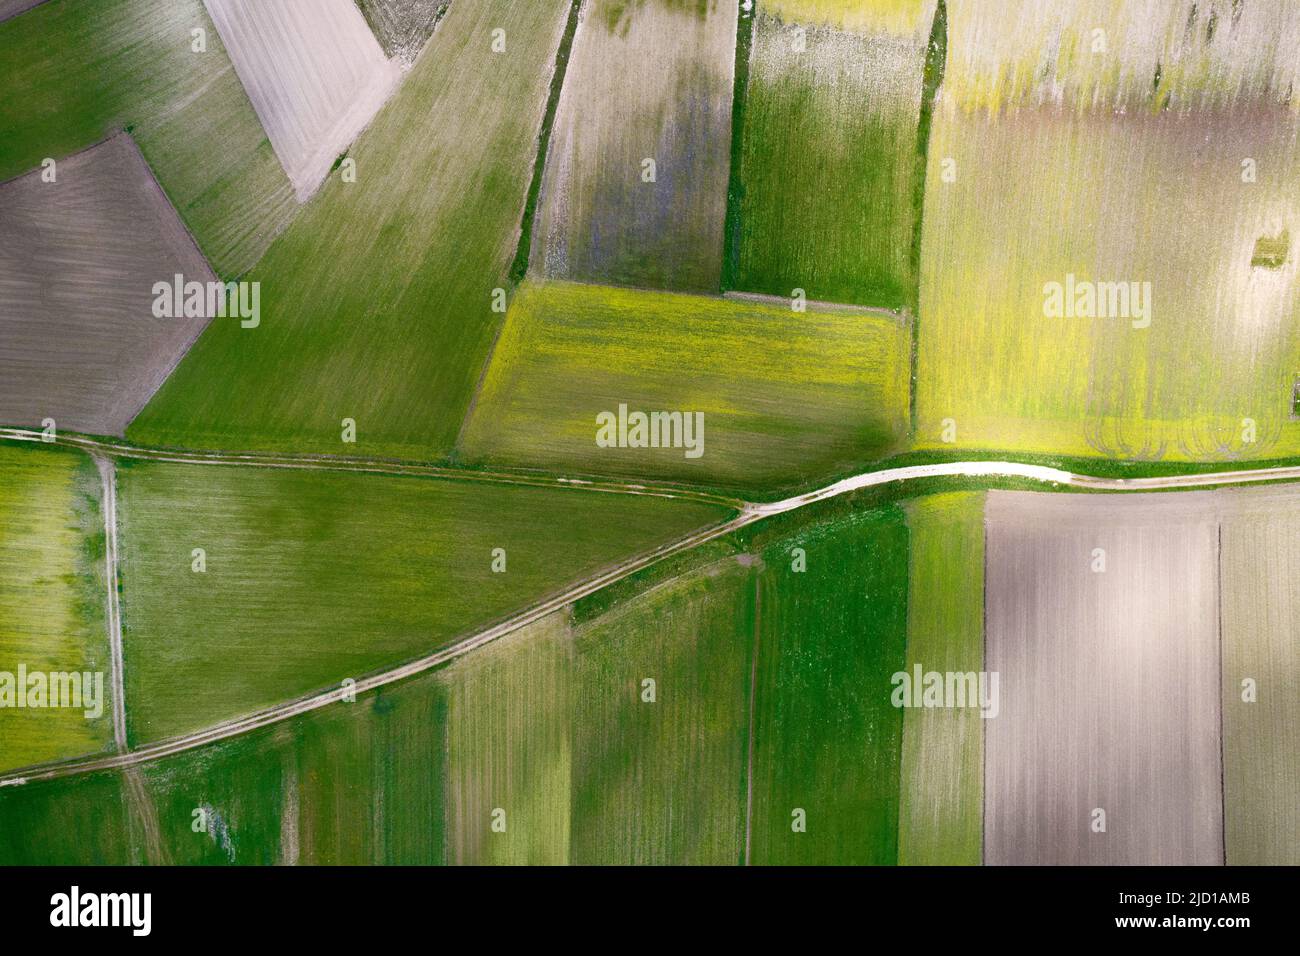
x=829 y=164
x=55 y=693
x=354 y=783
x=77 y=71
x=377 y=305
x=508 y=748
x=659 y=735
x=942 y=794
x=763 y=397
x=309 y=578
x=76 y=821
x=832 y=629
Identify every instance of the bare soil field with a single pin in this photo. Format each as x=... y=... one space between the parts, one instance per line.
x=78 y=260
x=1108 y=680
x=314 y=72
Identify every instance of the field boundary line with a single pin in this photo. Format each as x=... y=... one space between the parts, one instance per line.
x=108 y=482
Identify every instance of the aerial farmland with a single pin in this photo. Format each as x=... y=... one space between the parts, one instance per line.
x=639 y=433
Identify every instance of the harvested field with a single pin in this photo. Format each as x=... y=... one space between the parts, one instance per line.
x=1185 y=115
x=78 y=71
x=313 y=577
x=1261 y=642
x=786 y=398
x=826 y=737
x=79 y=340
x=942 y=800
x=402 y=27
x=508 y=748
x=1109 y=681
x=650 y=80
x=377 y=304
x=313 y=71
x=664 y=782
x=829 y=168
x=52 y=596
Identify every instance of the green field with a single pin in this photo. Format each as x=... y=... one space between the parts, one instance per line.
x=942 y=793
x=77 y=821
x=826 y=738
x=377 y=303
x=828 y=163
x=787 y=398
x=508 y=748
x=602 y=216
x=1211 y=376
x=314 y=577
x=76 y=71
x=52 y=596
x=358 y=783
x=663 y=782
x=350 y=784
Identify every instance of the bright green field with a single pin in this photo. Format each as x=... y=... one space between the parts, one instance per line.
x=942 y=794
x=52 y=597
x=76 y=71
x=663 y=782
x=377 y=303
x=508 y=748
x=313 y=577
x=826 y=738
x=787 y=398
x=829 y=164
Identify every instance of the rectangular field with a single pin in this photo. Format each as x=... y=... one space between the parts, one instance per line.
x=647 y=82
x=313 y=71
x=826 y=737
x=77 y=71
x=509 y=760
x=1261 y=644
x=829 y=169
x=312 y=577
x=52 y=597
x=1057 y=171
x=1105 y=749
x=378 y=304
x=942 y=800
x=786 y=398
x=659 y=769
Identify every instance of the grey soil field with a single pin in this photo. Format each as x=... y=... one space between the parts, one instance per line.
x=647 y=81
x=1109 y=681
x=78 y=260
x=1261 y=643
x=11 y=8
